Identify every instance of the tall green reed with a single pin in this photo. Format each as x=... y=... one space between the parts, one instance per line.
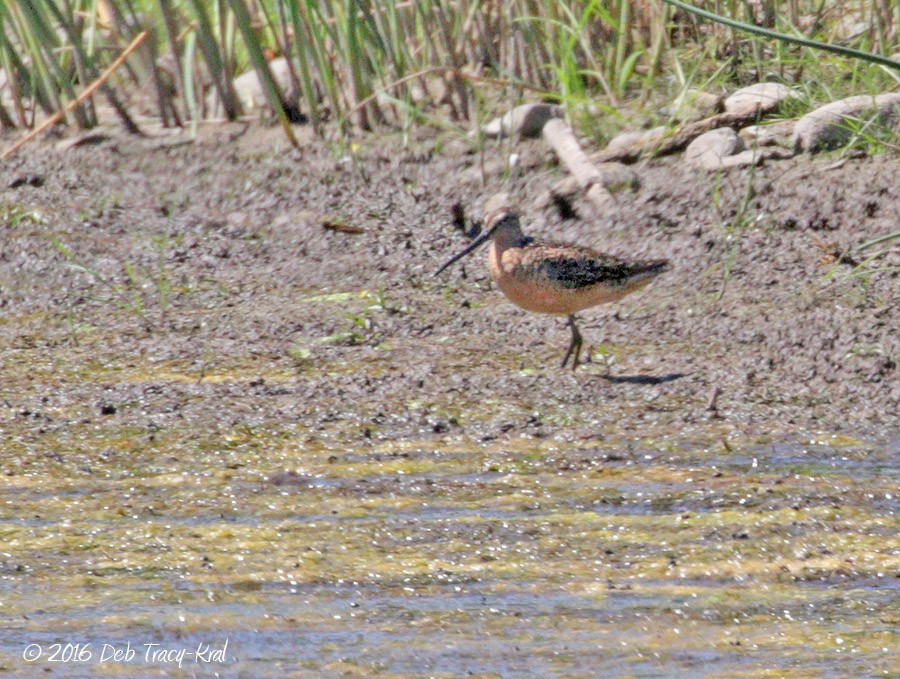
x=362 y=63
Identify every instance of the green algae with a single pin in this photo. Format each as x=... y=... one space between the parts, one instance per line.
x=404 y=521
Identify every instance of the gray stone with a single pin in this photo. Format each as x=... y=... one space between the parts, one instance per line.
x=764 y=95
x=831 y=126
x=430 y=90
x=624 y=140
x=250 y=91
x=614 y=177
x=526 y=120
x=849 y=27
x=778 y=132
x=637 y=139
x=742 y=159
x=567 y=187
x=709 y=149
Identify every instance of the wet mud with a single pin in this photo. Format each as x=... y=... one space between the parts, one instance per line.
x=236 y=405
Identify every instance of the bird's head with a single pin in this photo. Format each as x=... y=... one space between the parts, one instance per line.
x=501 y=221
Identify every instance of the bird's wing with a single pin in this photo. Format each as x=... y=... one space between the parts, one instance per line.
x=574 y=267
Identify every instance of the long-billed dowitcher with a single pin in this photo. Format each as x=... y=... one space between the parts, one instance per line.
x=556 y=278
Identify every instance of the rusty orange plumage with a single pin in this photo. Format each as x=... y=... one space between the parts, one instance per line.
x=556 y=278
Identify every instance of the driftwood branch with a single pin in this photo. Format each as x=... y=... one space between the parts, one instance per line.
x=560 y=136
x=682 y=137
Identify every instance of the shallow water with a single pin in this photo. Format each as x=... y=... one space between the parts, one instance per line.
x=518 y=559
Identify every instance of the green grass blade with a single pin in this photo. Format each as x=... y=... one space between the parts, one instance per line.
x=274 y=96
x=302 y=45
x=214 y=61
x=775 y=35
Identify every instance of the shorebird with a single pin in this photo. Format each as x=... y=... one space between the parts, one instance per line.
x=556 y=278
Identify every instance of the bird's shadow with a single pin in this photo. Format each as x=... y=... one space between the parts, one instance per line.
x=643 y=379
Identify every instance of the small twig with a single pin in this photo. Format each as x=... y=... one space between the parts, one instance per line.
x=96 y=85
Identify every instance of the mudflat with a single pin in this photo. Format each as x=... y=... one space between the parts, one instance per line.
x=236 y=406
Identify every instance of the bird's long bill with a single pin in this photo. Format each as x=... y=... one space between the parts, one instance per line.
x=482 y=238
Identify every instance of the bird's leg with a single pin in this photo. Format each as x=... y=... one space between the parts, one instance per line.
x=574 y=345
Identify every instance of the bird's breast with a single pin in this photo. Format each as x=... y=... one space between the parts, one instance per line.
x=526 y=287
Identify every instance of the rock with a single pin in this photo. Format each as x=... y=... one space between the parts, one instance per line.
x=624 y=140
x=693 y=105
x=526 y=120
x=831 y=126
x=767 y=96
x=708 y=150
x=654 y=135
x=250 y=92
x=742 y=159
x=636 y=139
x=778 y=132
x=849 y=27
x=431 y=89
x=567 y=187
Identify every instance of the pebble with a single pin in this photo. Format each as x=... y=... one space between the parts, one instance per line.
x=709 y=149
x=614 y=177
x=624 y=140
x=567 y=189
x=640 y=139
x=526 y=120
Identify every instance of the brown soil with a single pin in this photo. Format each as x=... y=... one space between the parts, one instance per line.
x=755 y=307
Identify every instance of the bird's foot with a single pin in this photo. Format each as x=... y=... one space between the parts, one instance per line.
x=574 y=349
